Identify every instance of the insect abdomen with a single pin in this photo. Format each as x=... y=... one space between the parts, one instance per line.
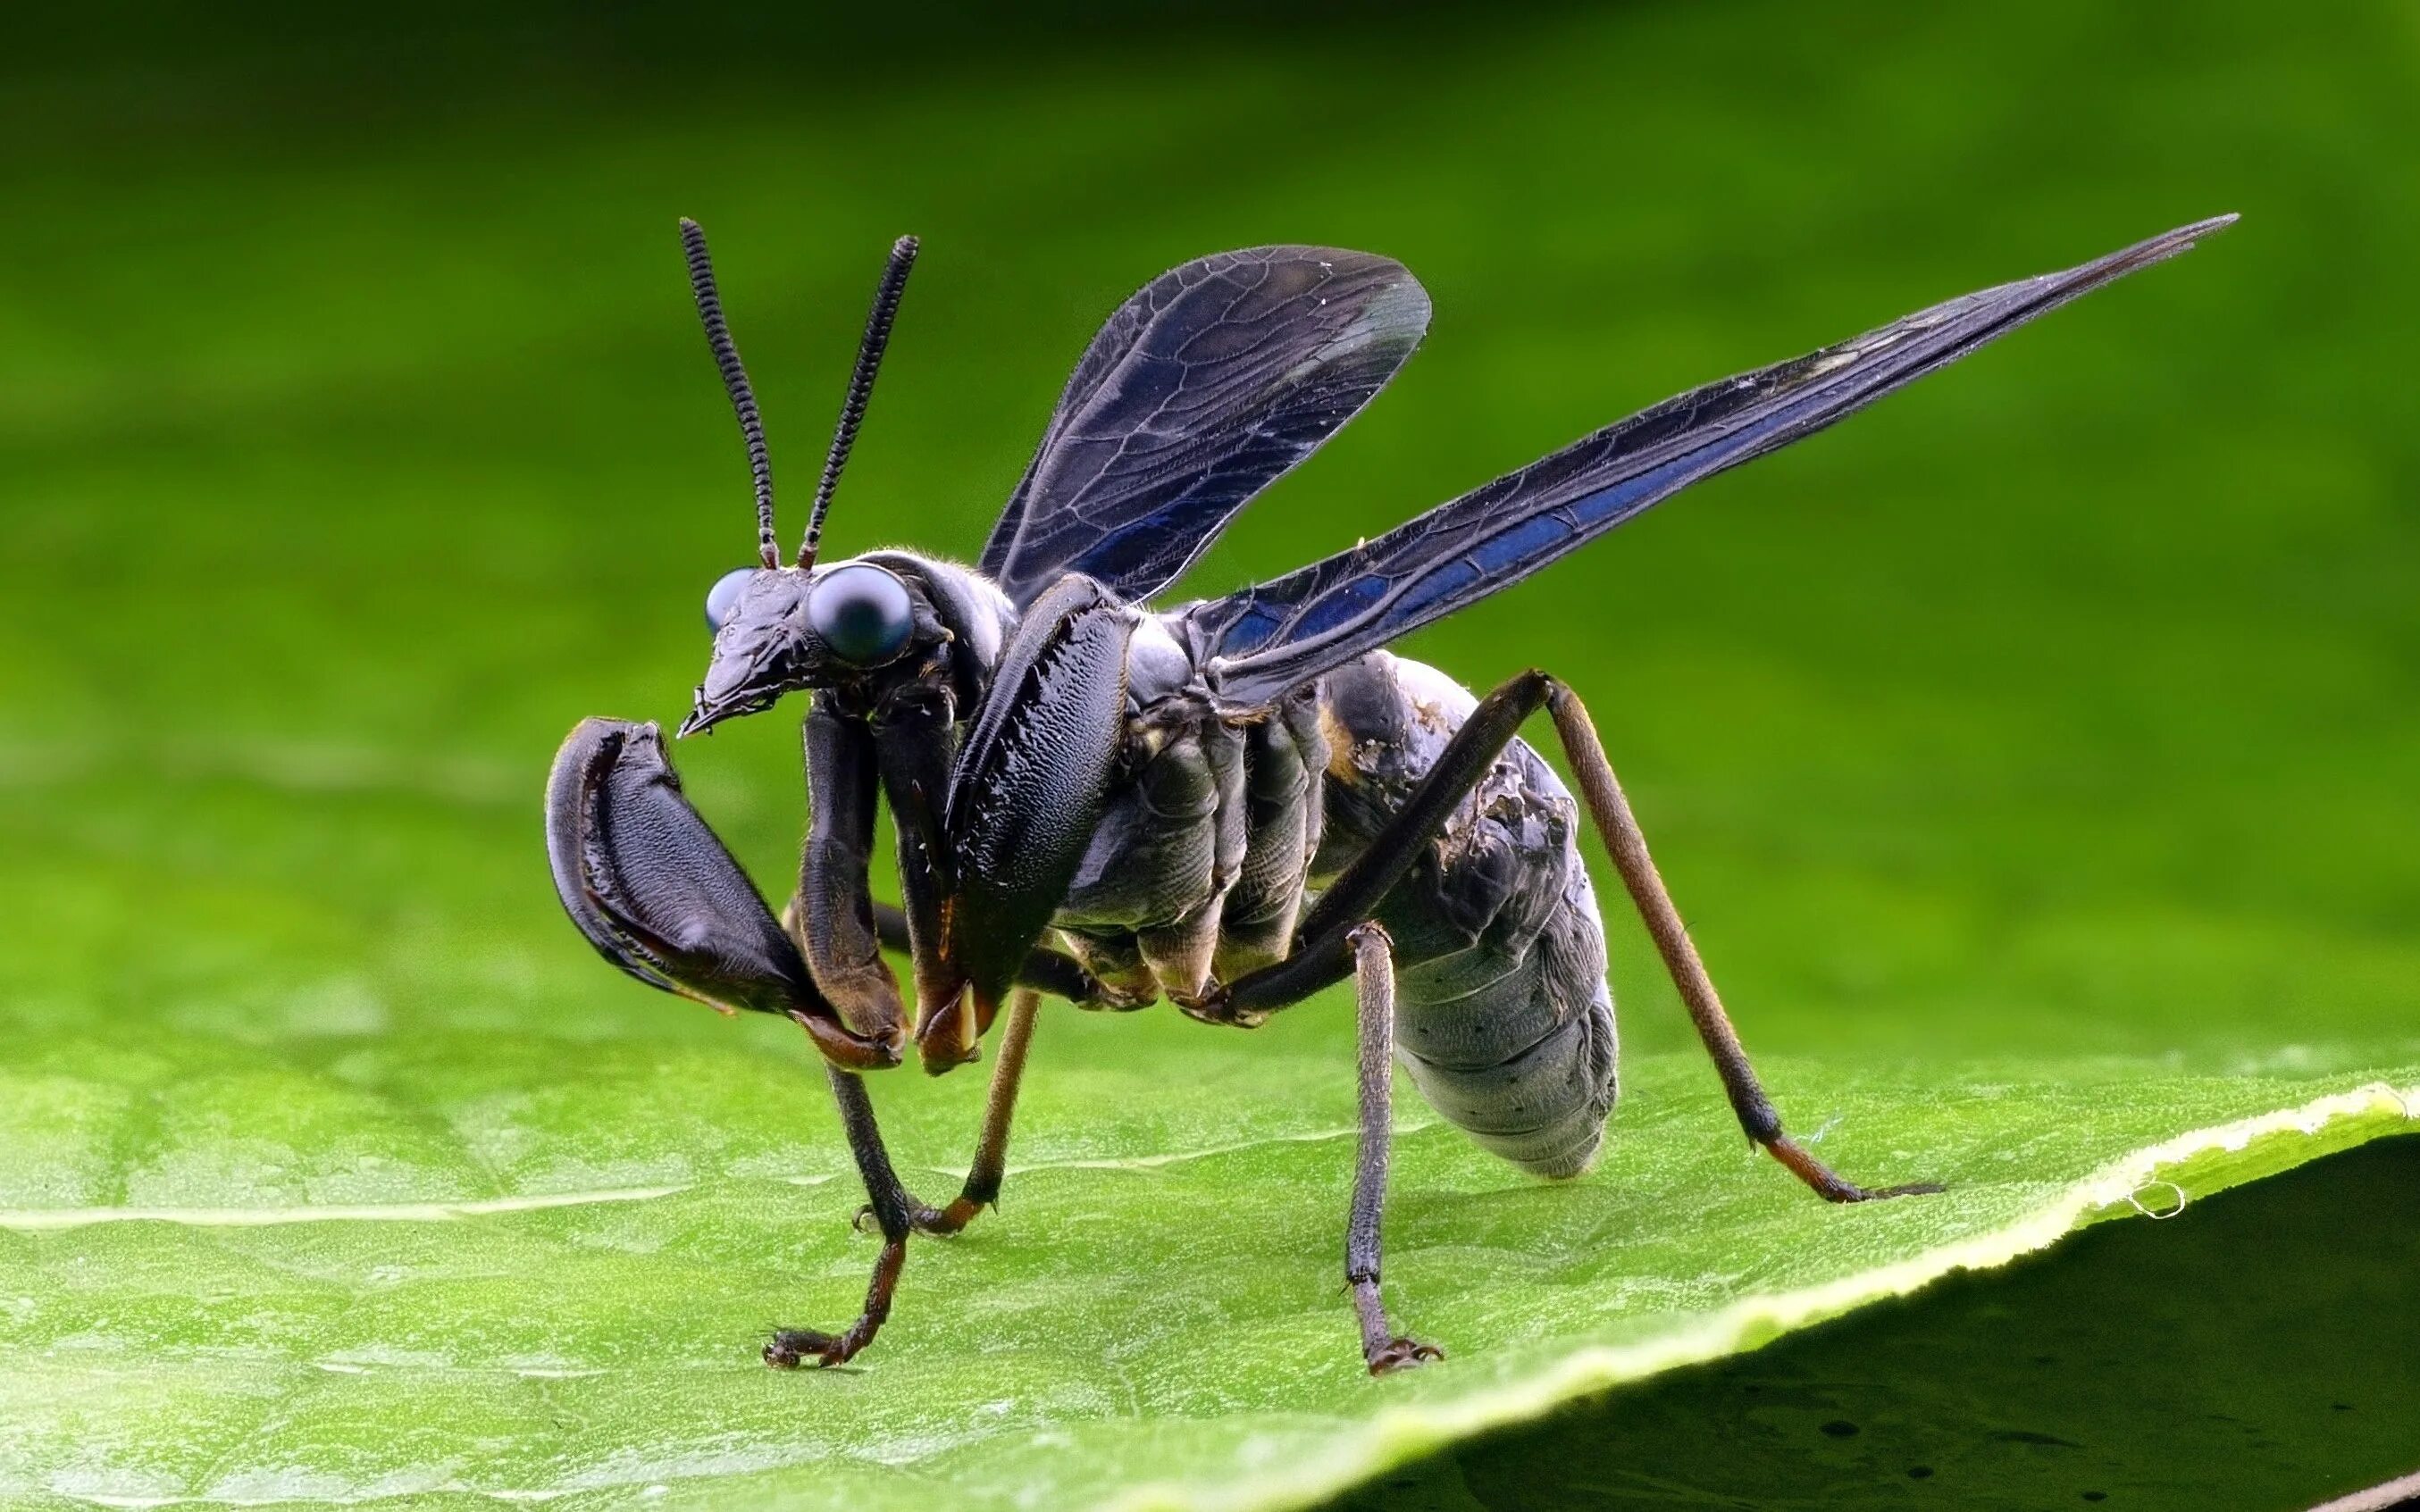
x=1503 y=1016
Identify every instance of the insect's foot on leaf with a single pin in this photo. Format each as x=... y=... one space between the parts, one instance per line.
x=1829 y=1184
x=1844 y=1192
x=1403 y=1354
x=922 y=1219
x=1911 y=1189
x=944 y=1222
x=790 y=1348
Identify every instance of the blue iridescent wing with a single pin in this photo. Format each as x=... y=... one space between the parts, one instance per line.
x=1203 y=389
x=1275 y=635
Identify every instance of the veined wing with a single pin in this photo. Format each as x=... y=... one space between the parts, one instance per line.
x=1280 y=634
x=1203 y=389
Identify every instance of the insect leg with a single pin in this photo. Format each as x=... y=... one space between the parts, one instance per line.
x=658 y=894
x=1321 y=942
x=1375 y=970
x=1045 y=971
x=790 y=1348
x=1619 y=829
x=982 y=1189
x=914 y=742
x=833 y=916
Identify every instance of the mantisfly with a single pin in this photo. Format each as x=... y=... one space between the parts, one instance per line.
x=1232 y=803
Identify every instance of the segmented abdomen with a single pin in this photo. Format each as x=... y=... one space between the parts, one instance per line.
x=1503 y=1015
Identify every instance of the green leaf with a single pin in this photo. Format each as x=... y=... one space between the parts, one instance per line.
x=2032 y=756
x=2148 y=1365
x=504 y=1263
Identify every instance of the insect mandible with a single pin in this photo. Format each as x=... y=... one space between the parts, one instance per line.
x=1233 y=803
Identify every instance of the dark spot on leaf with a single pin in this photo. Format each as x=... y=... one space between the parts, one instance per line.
x=2341 y=1407
x=1919 y=1472
x=1841 y=1427
x=2024 y=1436
x=2096 y=1496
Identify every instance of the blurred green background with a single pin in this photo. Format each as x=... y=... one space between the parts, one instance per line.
x=356 y=438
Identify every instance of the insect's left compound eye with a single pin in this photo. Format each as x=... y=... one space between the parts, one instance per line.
x=861 y=613
x=724 y=597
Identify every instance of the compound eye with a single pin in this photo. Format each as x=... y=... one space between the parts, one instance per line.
x=724 y=597
x=861 y=613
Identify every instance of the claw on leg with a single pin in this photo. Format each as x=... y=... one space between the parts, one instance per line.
x=949 y=1220
x=1403 y=1354
x=790 y=1348
x=1385 y=1350
x=924 y=1217
x=1374 y=962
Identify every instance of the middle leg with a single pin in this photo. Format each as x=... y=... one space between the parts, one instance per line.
x=1374 y=962
x=1045 y=971
x=982 y=1188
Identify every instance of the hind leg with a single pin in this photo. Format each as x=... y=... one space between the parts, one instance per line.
x=1628 y=846
x=1321 y=947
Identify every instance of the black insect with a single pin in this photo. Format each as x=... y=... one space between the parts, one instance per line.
x=1231 y=804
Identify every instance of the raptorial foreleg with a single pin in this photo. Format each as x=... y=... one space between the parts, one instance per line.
x=657 y=895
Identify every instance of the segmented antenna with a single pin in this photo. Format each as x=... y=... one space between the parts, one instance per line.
x=861 y=386
x=735 y=382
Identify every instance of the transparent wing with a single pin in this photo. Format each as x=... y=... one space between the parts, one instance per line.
x=1203 y=389
x=1280 y=634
